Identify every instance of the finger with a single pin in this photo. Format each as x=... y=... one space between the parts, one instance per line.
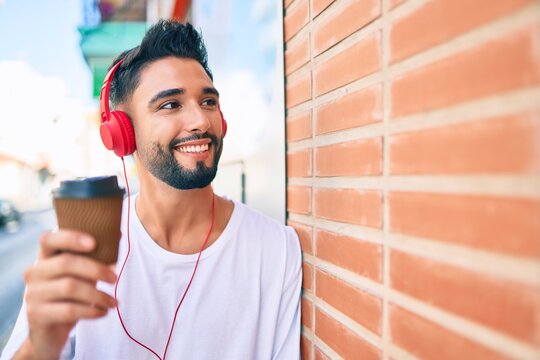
x=65 y=240
x=62 y=313
x=70 y=290
x=70 y=265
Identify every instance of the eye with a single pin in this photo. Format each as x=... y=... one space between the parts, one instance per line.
x=209 y=102
x=170 y=105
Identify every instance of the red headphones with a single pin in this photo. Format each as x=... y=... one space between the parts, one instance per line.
x=116 y=130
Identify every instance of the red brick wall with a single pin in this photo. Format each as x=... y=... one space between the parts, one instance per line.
x=413 y=167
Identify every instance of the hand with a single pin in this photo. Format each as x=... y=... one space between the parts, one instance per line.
x=61 y=289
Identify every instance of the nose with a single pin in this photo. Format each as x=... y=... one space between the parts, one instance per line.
x=195 y=119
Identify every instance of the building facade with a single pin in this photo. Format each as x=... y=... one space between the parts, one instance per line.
x=413 y=162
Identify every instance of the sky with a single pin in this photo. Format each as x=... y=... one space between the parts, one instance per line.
x=45 y=84
x=245 y=37
x=44 y=35
x=242 y=52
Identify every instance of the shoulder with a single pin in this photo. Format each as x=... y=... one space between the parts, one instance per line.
x=263 y=224
x=268 y=233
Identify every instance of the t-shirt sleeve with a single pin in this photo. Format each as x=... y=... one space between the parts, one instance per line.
x=287 y=339
x=20 y=333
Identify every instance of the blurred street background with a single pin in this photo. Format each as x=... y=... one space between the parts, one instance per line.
x=46 y=122
x=18 y=250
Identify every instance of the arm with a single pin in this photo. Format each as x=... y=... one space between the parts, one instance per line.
x=60 y=290
x=287 y=340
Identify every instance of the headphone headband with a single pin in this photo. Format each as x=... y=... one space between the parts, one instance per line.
x=105 y=91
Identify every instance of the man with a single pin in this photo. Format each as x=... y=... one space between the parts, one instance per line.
x=244 y=299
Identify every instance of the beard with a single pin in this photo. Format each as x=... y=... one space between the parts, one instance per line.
x=163 y=165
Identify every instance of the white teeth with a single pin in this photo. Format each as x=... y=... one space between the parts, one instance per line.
x=193 y=148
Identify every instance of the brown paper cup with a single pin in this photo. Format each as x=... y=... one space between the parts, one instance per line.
x=99 y=217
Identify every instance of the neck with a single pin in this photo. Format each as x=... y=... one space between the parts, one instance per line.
x=177 y=220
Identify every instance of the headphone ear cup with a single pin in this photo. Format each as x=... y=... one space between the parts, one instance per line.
x=223 y=126
x=117 y=134
x=223 y=123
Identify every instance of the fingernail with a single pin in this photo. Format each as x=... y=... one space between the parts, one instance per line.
x=86 y=241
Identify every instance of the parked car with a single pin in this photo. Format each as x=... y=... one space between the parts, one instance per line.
x=9 y=215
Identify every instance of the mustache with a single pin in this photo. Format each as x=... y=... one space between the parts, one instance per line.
x=178 y=141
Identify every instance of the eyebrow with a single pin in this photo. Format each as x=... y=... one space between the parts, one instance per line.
x=179 y=91
x=210 y=90
x=164 y=94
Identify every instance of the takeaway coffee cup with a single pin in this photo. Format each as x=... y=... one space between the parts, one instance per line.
x=92 y=205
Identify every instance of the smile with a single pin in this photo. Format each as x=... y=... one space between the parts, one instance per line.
x=193 y=148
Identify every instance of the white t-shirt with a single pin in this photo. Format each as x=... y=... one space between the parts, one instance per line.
x=244 y=302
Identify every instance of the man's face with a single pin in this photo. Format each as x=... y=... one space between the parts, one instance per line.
x=177 y=123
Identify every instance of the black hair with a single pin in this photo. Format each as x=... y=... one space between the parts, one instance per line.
x=163 y=39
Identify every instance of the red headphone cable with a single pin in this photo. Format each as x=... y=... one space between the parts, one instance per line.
x=124 y=264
